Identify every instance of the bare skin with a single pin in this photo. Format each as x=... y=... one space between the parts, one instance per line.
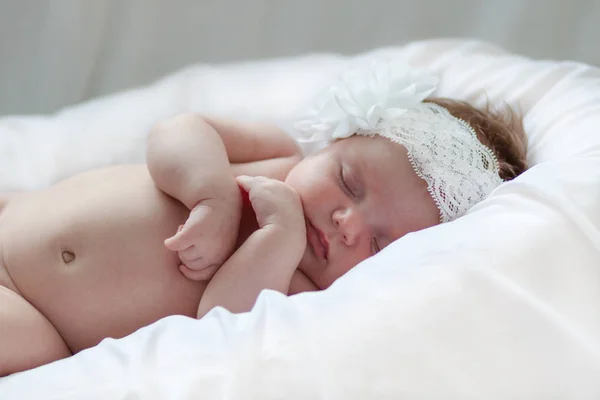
x=86 y=259
x=68 y=269
x=98 y=255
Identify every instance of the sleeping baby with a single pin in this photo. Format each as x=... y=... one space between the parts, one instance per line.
x=224 y=210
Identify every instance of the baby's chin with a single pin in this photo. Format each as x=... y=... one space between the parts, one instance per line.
x=308 y=264
x=305 y=261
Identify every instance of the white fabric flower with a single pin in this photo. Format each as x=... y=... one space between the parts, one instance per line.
x=364 y=97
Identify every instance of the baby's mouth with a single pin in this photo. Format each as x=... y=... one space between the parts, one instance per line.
x=317 y=240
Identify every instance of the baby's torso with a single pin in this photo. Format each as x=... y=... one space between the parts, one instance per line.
x=89 y=254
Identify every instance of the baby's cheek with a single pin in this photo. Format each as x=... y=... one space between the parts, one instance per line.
x=323 y=189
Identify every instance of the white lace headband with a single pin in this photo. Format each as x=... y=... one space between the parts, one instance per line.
x=386 y=99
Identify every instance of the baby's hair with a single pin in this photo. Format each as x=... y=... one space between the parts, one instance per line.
x=501 y=130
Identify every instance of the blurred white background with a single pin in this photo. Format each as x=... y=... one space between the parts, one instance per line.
x=59 y=52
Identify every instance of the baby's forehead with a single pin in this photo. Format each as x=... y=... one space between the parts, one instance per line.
x=378 y=161
x=372 y=150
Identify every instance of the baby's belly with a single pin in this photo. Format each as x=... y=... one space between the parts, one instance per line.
x=89 y=254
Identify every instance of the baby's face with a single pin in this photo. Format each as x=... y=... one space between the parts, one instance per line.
x=359 y=195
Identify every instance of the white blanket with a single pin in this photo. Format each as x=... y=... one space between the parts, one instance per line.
x=502 y=303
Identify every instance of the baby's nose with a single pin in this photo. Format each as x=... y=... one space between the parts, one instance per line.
x=350 y=223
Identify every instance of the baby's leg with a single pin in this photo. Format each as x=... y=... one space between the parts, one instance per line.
x=27 y=338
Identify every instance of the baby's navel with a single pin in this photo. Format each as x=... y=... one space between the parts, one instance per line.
x=68 y=256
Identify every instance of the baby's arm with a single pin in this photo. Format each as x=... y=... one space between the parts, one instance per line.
x=257 y=149
x=262 y=262
x=188 y=160
x=269 y=257
x=197 y=149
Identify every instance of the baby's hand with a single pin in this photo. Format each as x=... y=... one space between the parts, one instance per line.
x=207 y=238
x=275 y=203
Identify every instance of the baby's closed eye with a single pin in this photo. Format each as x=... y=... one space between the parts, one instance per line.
x=350 y=183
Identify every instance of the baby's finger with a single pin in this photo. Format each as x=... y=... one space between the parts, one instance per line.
x=245 y=182
x=178 y=241
x=173 y=243
x=201 y=274
x=190 y=253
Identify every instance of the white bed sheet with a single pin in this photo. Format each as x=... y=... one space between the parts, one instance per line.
x=503 y=303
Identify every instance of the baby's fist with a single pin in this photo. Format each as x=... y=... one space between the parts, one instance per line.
x=274 y=202
x=207 y=238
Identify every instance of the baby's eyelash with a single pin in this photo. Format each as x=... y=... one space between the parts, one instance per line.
x=375 y=246
x=344 y=183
